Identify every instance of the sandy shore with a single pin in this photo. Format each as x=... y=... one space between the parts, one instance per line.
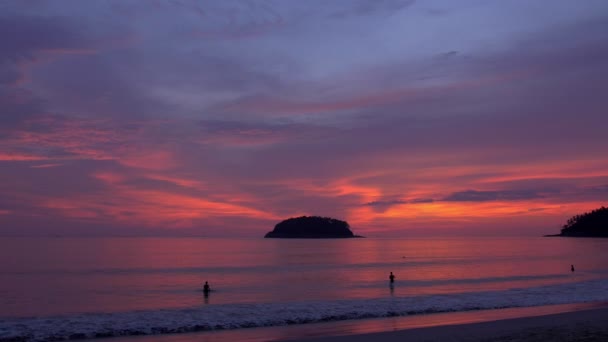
x=587 y=325
x=566 y=322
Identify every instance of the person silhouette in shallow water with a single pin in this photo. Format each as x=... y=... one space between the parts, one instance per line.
x=206 y=288
x=572 y=268
x=391 y=277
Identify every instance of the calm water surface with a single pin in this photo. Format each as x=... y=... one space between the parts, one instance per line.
x=62 y=276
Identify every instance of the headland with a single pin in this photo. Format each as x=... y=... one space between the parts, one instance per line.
x=590 y=224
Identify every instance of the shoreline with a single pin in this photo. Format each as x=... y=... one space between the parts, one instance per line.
x=588 y=325
x=483 y=324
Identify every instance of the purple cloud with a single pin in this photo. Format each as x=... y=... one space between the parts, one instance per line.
x=198 y=114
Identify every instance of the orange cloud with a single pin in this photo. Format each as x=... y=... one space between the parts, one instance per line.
x=149 y=207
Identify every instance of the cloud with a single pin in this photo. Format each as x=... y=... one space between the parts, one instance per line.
x=486 y=196
x=385 y=203
x=28 y=42
x=239 y=113
x=44 y=166
x=61 y=138
x=389 y=202
x=600 y=189
x=31 y=40
x=368 y=7
x=24 y=37
x=422 y=200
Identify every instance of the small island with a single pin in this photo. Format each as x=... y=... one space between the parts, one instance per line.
x=311 y=227
x=591 y=224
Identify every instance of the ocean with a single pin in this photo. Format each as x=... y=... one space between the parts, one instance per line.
x=74 y=288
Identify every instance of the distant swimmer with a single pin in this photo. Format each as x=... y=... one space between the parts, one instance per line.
x=572 y=268
x=391 y=277
x=206 y=288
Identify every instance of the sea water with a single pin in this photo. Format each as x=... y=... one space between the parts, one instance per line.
x=68 y=288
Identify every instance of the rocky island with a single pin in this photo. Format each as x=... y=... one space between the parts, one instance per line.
x=591 y=224
x=311 y=227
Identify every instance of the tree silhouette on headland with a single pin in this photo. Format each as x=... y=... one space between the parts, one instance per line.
x=591 y=224
x=311 y=227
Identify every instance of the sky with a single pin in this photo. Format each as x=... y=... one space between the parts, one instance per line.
x=222 y=118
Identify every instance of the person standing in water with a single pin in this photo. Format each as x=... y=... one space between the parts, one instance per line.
x=391 y=278
x=572 y=268
x=206 y=288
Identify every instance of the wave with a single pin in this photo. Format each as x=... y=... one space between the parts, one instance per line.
x=235 y=316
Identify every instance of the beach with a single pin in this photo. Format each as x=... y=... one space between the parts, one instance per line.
x=570 y=322
x=586 y=325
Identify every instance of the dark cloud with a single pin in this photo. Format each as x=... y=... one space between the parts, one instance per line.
x=224 y=133
x=385 y=203
x=9 y=76
x=24 y=37
x=422 y=200
x=488 y=196
x=16 y=105
x=367 y=7
x=201 y=70
x=601 y=188
x=53 y=46
x=93 y=86
x=26 y=41
x=380 y=206
x=397 y=202
x=448 y=54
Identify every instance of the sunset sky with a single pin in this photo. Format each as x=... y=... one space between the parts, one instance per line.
x=221 y=118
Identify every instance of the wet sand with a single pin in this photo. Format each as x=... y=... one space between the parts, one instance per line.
x=587 y=325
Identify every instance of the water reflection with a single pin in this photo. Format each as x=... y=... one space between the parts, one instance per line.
x=62 y=276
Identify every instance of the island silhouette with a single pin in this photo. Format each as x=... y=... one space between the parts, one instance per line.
x=591 y=224
x=311 y=227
